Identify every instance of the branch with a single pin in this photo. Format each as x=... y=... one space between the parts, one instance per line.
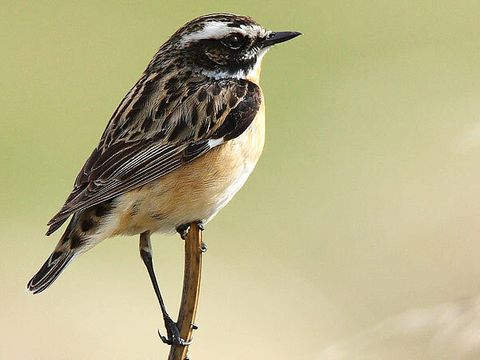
x=191 y=290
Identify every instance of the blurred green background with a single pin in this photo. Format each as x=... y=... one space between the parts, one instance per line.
x=364 y=205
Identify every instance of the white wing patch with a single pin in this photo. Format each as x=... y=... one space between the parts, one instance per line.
x=215 y=142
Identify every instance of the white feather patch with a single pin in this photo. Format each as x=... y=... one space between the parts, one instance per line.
x=218 y=30
x=215 y=142
x=211 y=30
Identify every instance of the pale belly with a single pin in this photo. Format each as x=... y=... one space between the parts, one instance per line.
x=195 y=192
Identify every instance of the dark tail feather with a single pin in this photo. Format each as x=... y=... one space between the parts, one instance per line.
x=50 y=270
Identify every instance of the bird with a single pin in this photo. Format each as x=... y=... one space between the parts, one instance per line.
x=178 y=147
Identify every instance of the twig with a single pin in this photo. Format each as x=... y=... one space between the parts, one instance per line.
x=191 y=290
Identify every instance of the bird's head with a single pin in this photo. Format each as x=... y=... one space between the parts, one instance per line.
x=223 y=45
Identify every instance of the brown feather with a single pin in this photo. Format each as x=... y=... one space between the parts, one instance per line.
x=120 y=164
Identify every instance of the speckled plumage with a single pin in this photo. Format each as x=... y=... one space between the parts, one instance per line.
x=178 y=147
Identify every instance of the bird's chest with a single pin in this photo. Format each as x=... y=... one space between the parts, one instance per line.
x=225 y=169
x=238 y=157
x=197 y=190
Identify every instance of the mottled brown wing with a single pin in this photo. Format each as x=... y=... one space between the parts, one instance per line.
x=157 y=128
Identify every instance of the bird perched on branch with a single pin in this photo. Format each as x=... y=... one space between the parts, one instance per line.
x=179 y=146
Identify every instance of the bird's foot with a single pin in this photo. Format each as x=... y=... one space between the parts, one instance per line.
x=183 y=229
x=173 y=334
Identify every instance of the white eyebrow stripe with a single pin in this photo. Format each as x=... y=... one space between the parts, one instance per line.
x=212 y=30
x=254 y=29
x=218 y=30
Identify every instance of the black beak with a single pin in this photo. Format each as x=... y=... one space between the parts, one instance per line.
x=278 y=37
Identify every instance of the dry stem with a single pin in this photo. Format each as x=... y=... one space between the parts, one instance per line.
x=191 y=290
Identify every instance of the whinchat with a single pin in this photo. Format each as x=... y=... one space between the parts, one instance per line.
x=179 y=146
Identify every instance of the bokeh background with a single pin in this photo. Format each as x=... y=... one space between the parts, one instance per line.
x=357 y=237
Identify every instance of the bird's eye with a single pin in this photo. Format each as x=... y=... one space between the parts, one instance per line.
x=234 y=41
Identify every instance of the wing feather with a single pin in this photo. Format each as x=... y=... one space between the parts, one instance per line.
x=158 y=127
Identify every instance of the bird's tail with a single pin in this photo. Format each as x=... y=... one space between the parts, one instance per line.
x=55 y=264
x=83 y=232
x=47 y=274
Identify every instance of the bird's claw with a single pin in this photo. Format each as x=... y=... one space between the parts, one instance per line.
x=173 y=340
x=183 y=229
x=173 y=335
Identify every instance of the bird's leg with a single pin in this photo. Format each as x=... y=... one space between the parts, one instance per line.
x=183 y=231
x=173 y=335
